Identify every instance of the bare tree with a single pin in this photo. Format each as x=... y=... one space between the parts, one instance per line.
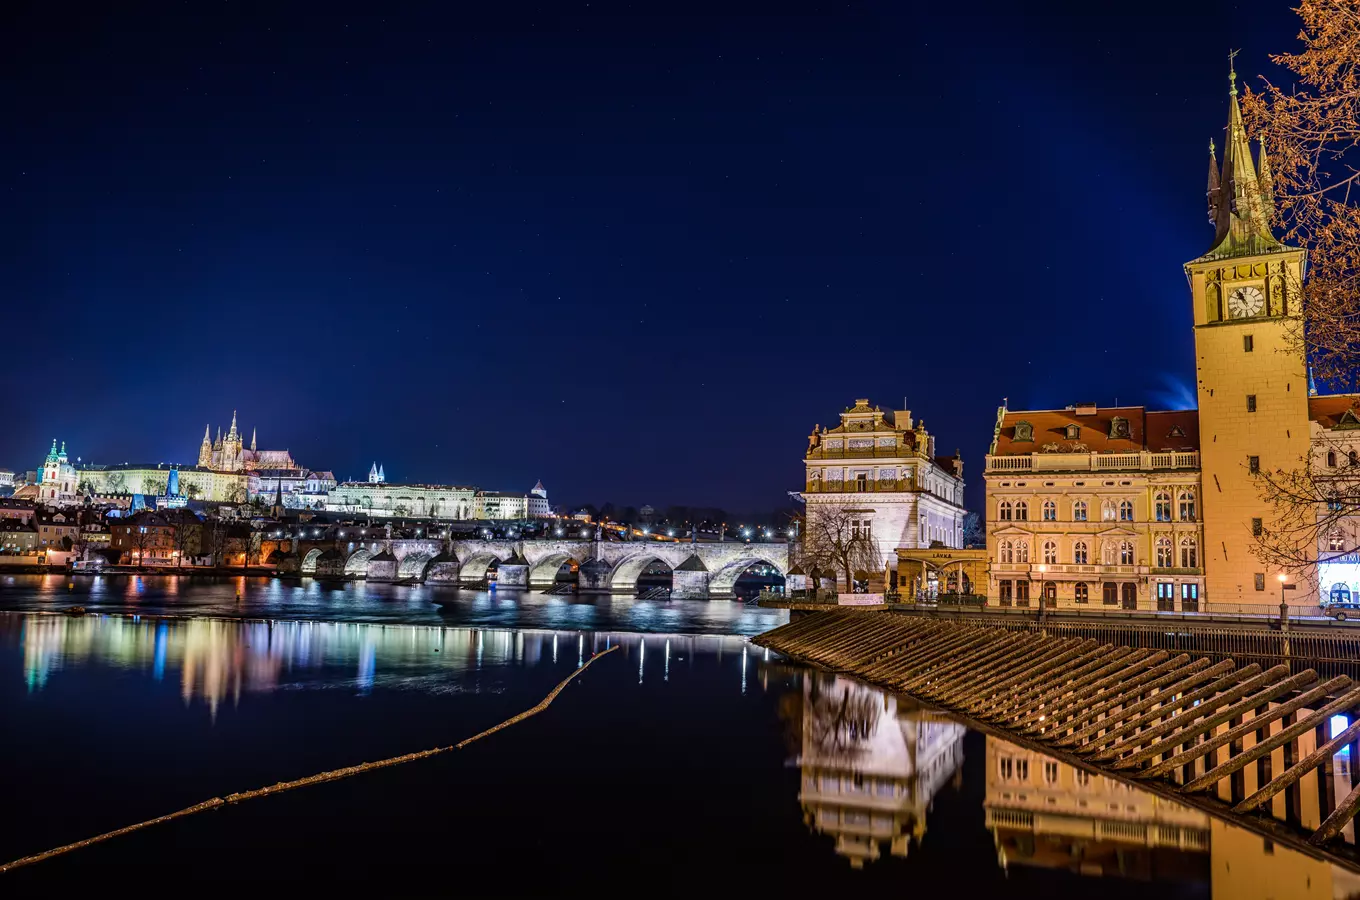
x=188 y=537
x=837 y=538
x=1312 y=132
x=1315 y=508
x=141 y=536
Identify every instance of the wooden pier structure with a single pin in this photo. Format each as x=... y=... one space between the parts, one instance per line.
x=1254 y=743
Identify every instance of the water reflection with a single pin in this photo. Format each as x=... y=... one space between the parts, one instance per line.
x=275 y=598
x=220 y=659
x=872 y=764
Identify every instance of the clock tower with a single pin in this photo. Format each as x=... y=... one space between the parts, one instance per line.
x=1251 y=373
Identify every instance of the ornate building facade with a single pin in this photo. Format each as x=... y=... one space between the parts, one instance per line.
x=195 y=482
x=1095 y=506
x=881 y=467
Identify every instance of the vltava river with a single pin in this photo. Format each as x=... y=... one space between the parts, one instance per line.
x=681 y=764
x=274 y=598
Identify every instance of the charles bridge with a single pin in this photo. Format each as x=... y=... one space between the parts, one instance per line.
x=699 y=570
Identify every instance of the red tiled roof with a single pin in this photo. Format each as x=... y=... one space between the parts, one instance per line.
x=1327 y=411
x=1156 y=431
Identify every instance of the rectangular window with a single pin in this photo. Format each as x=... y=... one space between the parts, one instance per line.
x=1251 y=403
x=862 y=482
x=1050 y=771
x=1005 y=595
x=1189 y=598
x=1022 y=593
x=1260 y=581
x=1256 y=528
x=1247 y=345
x=1254 y=464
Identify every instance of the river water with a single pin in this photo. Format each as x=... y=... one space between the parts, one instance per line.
x=686 y=762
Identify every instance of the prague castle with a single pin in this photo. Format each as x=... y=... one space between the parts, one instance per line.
x=229 y=454
x=1147 y=509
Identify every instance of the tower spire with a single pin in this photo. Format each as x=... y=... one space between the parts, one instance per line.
x=1213 y=192
x=1240 y=221
x=232 y=434
x=252 y=440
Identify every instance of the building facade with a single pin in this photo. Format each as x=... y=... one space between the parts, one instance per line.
x=1095 y=506
x=195 y=482
x=880 y=466
x=384 y=498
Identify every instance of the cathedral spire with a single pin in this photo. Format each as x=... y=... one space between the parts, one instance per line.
x=252 y=440
x=207 y=434
x=1267 y=181
x=231 y=435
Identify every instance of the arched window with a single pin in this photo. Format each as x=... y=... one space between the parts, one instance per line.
x=1331 y=459
x=1022 y=551
x=1050 y=511
x=1021 y=511
x=1006 y=552
x=1126 y=510
x=1164 y=553
x=1340 y=593
x=1126 y=553
x=1003 y=512
x=1080 y=592
x=1336 y=542
x=1109 y=593
x=1050 y=552
x=1079 y=511
x=1109 y=511
x=1189 y=553
x=1187 y=504
x=1162 y=505
x=1109 y=552
x=1351 y=458
x=1079 y=553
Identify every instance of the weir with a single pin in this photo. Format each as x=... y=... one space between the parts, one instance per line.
x=1269 y=746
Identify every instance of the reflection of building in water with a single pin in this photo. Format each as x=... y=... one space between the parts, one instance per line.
x=871 y=765
x=1047 y=813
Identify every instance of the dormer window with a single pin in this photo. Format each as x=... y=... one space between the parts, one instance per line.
x=1176 y=431
x=1024 y=431
x=1073 y=432
x=1119 y=427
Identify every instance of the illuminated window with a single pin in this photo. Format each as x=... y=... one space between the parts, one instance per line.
x=1162 y=507
x=1126 y=553
x=1109 y=511
x=1079 y=553
x=1189 y=553
x=1050 y=552
x=1187 y=506
x=1336 y=542
x=1079 y=511
x=1022 y=551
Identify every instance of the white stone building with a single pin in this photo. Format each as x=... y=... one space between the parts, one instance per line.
x=57 y=479
x=384 y=498
x=881 y=466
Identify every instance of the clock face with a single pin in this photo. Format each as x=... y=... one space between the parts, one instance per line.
x=1245 y=302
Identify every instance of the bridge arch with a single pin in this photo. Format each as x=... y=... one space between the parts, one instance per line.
x=724 y=581
x=624 y=579
x=309 y=561
x=476 y=567
x=357 y=564
x=544 y=572
x=413 y=565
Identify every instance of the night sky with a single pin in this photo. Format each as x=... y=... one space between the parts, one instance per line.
x=635 y=253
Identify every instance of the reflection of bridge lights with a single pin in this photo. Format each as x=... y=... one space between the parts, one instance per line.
x=559 y=532
x=670 y=532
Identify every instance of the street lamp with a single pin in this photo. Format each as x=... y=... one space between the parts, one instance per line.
x=1284 y=607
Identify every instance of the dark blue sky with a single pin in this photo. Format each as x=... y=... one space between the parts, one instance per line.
x=636 y=255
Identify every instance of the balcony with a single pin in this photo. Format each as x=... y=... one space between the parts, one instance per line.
x=1091 y=462
x=862 y=453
